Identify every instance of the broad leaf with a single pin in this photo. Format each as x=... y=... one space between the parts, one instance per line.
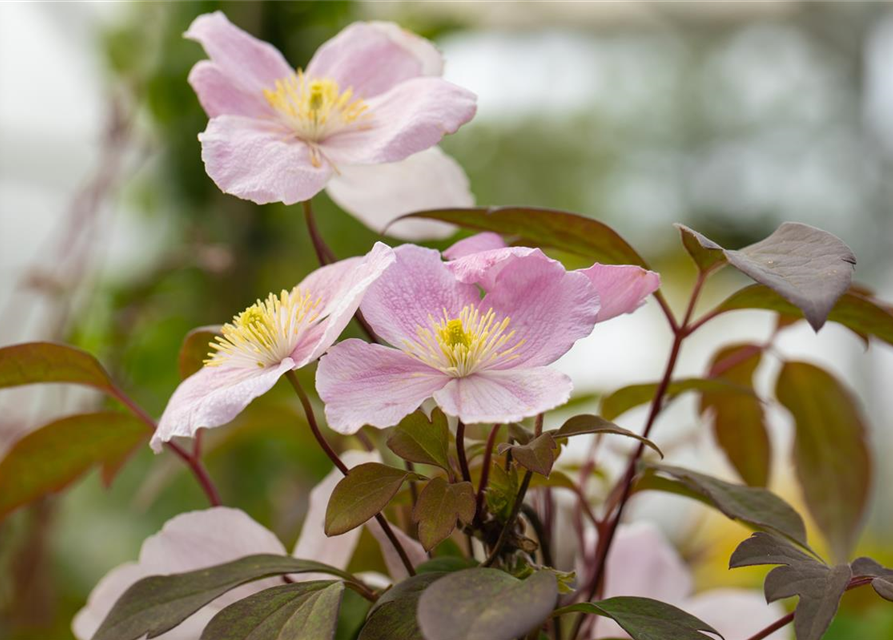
x=534 y=227
x=883 y=577
x=701 y=250
x=446 y=564
x=35 y=362
x=362 y=494
x=395 y=614
x=627 y=398
x=808 y=267
x=49 y=459
x=196 y=348
x=646 y=619
x=439 y=506
x=830 y=451
x=418 y=439
x=753 y=505
x=738 y=421
x=486 y=604
x=588 y=424
x=300 y=611
x=157 y=604
x=538 y=455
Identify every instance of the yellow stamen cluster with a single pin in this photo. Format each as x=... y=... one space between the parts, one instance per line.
x=266 y=332
x=466 y=344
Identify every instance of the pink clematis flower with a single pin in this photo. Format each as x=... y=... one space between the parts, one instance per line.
x=362 y=120
x=271 y=337
x=482 y=360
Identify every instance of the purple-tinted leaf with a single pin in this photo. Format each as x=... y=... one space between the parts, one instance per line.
x=706 y=253
x=418 y=439
x=538 y=455
x=589 y=424
x=395 y=614
x=37 y=362
x=635 y=395
x=646 y=619
x=871 y=567
x=439 y=506
x=196 y=348
x=883 y=587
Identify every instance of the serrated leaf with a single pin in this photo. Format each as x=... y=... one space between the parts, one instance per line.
x=38 y=362
x=808 y=267
x=626 y=398
x=486 y=604
x=394 y=615
x=301 y=611
x=363 y=493
x=584 y=424
x=52 y=457
x=439 y=506
x=157 y=604
x=538 y=455
x=830 y=452
x=646 y=619
x=195 y=349
x=738 y=420
x=418 y=439
x=705 y=253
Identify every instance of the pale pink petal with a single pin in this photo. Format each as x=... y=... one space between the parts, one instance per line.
x=377 y=194
x=363 y=383
x=485 y=267
x=220 y=95
x=621 y=288
x=416 y=286
x=373 y=57
x=486 y=241
x=411 y=117
x=737 y=613
x=341 y=288
x=213 y=396
x=103 y=597
x=414 y=550
x=252 y=65
x=504 y=396
x=261 y=161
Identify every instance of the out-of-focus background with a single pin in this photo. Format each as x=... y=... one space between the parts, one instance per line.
x=729 y=117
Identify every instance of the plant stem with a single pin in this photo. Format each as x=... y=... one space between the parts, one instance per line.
x=506 y=529
x=460 y=451
x=775 y=626
x=323 y=253
x=336 y=460
x=485 y=472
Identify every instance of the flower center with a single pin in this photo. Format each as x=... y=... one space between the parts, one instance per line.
x=466 y=344
x=315 y=109
x=266 y=332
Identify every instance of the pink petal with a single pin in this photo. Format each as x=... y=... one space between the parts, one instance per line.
x=103 y=597
x=213 y=396
x=737 y=613
x=486 y=241
x=414 y=550
x=341 y=286
x=250 y=64
x=416 y=286
x=373 y=57
x=363 y=383
x=621 y=288
x=379 y=193
x=504 y=396
x=260 y=161
x=220 y=95
x=484 y=267
x=411 y=117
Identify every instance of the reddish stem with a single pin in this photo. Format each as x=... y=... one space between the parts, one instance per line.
x=485 y=471
x=460 y=451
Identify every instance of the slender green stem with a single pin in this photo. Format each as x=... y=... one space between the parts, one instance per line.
x=460 y=451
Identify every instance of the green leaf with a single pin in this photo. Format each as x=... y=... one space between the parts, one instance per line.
x=646 y=619
x=301 y=611
x=439 y=506
x=883 y=577
x=418 y=439
x=534 y=227
x=700 y=249
x=486 y=604
x=753 y=505
x=37 y=362
x=739 y=423
x=446 y=564
x=808 y=267
x=830 y=451
x=538 y=455
x=195 y=349
x=362 y=494
x=627 y=398
x=157 y=604
x=501 y=491
x=588 y=424
x=49 y=459
x=394 y=615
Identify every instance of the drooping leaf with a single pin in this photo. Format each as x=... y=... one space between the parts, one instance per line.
x=830 y=451
x=195 y=349
x=883 y=577
x=157 y=604
x=754 y=505
x=49 y=459
x=547 y=228
x=700 y=249
x=626 y=398
x=738 y=421
x=808 y=267
x=486 y=604
x=300 y=611
x=538 y=455
x=362 y=494
x=418 y=439
x=439 y=506
x=36 y=362
x=646 y=619
x=589 y=424
x=395 y=614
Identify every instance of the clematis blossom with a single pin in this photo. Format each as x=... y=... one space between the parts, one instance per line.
x=268 y=339
x=362 y=120
x=481 y=359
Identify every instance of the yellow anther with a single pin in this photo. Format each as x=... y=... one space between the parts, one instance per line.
x=455 y=335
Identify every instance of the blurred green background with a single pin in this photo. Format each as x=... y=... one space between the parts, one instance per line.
x=729 y=117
